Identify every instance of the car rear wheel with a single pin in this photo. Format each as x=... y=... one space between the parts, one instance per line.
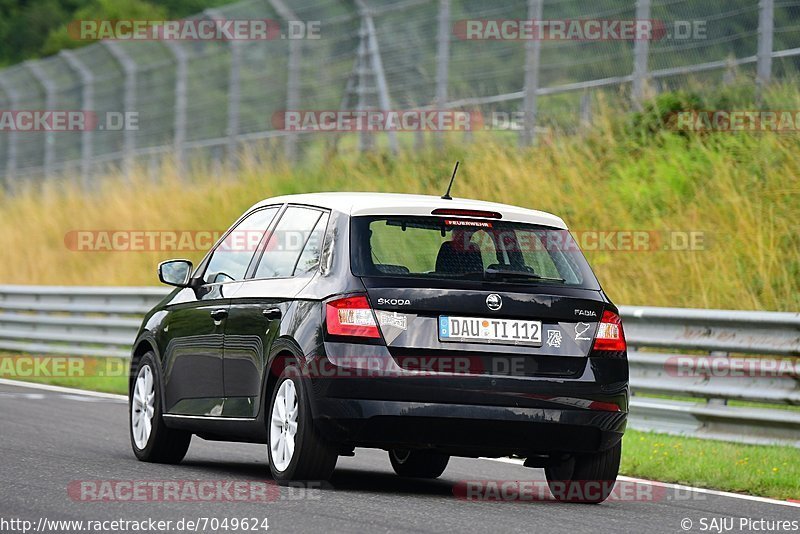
x=296 y=450
x=151 y=440
x=586 y=478
x=418 y=464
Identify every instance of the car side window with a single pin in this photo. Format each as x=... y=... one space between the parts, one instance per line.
x=309 y=258
x=230 y=259
x=283 y=250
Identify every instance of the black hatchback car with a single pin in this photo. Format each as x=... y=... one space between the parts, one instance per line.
x=424 y=326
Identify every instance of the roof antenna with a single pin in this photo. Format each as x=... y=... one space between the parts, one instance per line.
x=447 y=196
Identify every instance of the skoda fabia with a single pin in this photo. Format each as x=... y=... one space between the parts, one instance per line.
x=428 y=327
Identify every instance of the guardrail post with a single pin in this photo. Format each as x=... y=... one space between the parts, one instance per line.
x=713 y=401
x=234 y=98
x=234 y=92
x=292 y=95
x=365 y=141
x=766 y=26
x=419 y=136
x=371 y=65
x=49 y=103
x=11 y=135
x=181 y=75
x=641 y=51
x=292 y=78
x=380 y=77
x=442 y=60
x=87 y=103
x=533 y=51
x=129 y=102
x=586 y=111
x=729 y=76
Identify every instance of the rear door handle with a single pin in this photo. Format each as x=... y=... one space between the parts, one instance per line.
x=219 y=315
x=272 y=313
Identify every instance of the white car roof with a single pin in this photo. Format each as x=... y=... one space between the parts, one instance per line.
x=402 y=204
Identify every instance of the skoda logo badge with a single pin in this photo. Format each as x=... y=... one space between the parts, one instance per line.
x=494 y=302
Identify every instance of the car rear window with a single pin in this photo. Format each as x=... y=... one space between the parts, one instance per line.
x=461 y=249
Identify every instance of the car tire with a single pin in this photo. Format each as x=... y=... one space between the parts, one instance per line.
x=585 y=478
x=296 y=450
x=418 y=464
x=151 y=439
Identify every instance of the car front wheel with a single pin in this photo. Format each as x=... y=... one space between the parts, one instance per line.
x=151 y=440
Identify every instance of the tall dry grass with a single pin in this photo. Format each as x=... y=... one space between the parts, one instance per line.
x=741 y=191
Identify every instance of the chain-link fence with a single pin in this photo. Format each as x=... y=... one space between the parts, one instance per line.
x=211 y=100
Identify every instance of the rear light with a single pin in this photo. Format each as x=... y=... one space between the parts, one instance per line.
x=467 y=213
x=351 y=316
x=604 y=406
x=610 y=336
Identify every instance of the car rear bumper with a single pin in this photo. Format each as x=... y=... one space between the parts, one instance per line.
x=468 y=414
x=468 y=429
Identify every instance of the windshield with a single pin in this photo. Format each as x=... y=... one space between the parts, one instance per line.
x=460 y=249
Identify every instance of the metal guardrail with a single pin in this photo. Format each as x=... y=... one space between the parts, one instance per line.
x=89 y=321
x=749 y=360
x=102 y=321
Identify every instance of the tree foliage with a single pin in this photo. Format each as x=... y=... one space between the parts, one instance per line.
x=32 y=29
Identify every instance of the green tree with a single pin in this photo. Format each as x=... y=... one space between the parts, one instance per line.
x=31 y=29
x=61 y=37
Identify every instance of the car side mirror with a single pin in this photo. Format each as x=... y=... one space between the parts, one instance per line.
x=175 y=272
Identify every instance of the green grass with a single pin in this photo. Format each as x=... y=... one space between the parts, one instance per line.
x=109 y=375
x=738 y=192
x=768 y=471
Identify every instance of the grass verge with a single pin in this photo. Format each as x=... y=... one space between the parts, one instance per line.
x=109 y=375
x=767 y=471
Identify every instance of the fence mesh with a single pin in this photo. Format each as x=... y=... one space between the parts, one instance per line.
x=210 y=99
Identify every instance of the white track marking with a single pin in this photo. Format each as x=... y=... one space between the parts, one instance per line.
x=61 y=389
x=681 y=487
x=15 y=395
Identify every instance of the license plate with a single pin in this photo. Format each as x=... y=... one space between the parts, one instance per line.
x=487 y=330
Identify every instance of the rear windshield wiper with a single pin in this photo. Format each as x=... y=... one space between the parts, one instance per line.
x=502 y=273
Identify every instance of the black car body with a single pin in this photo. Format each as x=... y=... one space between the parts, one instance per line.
x=387 y=354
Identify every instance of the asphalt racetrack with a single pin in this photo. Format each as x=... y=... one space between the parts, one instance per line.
x=67 y=457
